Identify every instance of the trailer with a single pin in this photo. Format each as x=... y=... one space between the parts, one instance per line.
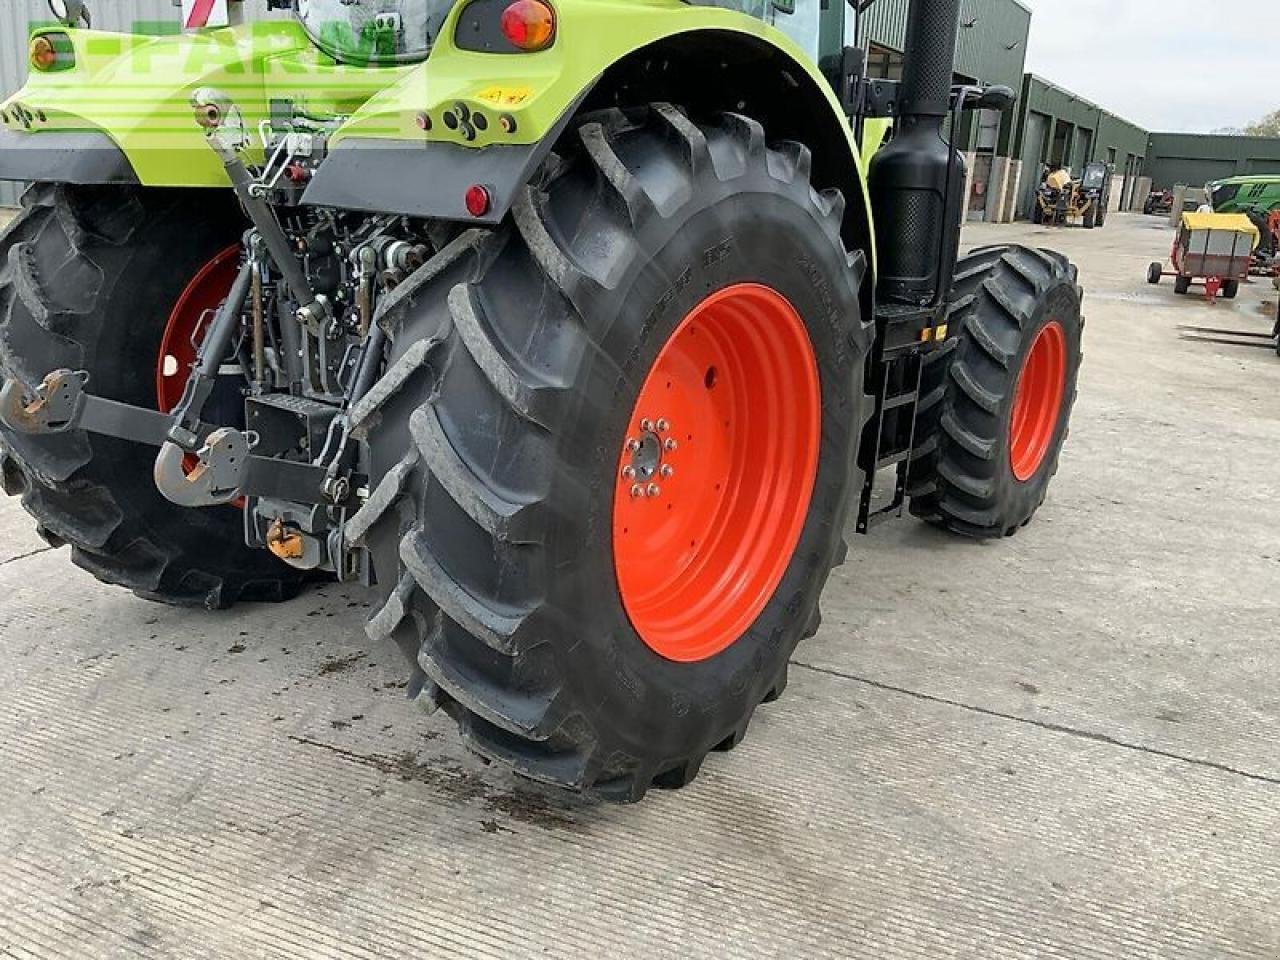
x=1212 y=250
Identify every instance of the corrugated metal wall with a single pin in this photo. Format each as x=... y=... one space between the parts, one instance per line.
x=1107 y=131
x=992 y=46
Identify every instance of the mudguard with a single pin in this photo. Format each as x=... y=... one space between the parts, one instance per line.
x=463 y=117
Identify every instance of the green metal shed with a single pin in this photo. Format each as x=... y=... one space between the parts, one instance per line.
x=1060 y=128
x=992 y=46
x=1196 y=159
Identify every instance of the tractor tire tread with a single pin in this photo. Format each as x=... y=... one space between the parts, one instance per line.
x=57 y=477
x=953 y=479
x=480 y=646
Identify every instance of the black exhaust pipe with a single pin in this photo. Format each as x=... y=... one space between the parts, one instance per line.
x=917 y=180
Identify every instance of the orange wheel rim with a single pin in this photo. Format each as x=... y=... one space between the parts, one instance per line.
x=182 y=334
x=1037 y=402
x=717 y=472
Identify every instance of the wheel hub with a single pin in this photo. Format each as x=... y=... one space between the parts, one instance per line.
x=716 y=472
x=651 y=458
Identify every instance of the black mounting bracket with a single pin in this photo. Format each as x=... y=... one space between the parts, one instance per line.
x=878 y=99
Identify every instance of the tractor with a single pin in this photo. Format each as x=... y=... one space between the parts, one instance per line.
x=1061 y=198
x=1158 y=203
x=579 y=332
x=1242 y=194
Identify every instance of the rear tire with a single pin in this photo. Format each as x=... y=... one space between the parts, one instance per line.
x=970 y=474
x=1091 y=217
x=87 y=279
x=516 y=361
x=1181 y=285
x=1230 y=289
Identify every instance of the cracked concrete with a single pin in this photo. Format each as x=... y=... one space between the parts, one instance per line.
x=1062 y=745
x=1042 y=724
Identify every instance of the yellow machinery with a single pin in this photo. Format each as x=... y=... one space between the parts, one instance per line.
x=1061 y=198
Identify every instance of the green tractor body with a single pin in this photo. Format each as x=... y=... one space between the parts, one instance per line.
x=1244 y=194
x=135 y=94
x=578 y=331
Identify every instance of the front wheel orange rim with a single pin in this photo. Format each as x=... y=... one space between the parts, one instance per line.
x=717 y=472
x=1037 y=404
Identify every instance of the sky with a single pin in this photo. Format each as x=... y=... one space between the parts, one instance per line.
x=1166 y=65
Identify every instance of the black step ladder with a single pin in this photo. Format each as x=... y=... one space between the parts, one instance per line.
x=893 y=427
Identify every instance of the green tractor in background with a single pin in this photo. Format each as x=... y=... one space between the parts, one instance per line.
x=578 y=330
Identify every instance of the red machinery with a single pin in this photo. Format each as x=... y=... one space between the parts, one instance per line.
x=1213 y=250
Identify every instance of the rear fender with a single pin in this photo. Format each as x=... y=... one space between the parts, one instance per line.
x=464 y=118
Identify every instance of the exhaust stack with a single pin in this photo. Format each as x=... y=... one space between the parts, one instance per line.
x=917 y=180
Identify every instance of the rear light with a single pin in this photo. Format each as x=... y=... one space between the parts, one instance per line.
x=478 y=200
x=43 y=55
x=530 y=25
x=50 y=52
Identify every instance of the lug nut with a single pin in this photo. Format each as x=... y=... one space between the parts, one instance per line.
x=646 y=425
x=668 y=470
x=664 y=426
x=637 y=492
x=654 y=490
x=633 y=446
x=670 y=445
x=628 y=473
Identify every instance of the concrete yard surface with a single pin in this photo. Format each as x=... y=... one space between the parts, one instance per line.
x=1063 y=745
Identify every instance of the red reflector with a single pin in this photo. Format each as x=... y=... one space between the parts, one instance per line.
x=478 y=201
x=529 y=25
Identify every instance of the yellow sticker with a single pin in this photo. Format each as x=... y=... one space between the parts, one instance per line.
x=505 y=96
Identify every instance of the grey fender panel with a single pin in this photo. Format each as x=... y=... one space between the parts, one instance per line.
x=428 y=180
x=63 y=157
x=431 y=181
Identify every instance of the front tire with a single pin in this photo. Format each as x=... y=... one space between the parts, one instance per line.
x=523 y=364
x=996 y=402
x=88 y=278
